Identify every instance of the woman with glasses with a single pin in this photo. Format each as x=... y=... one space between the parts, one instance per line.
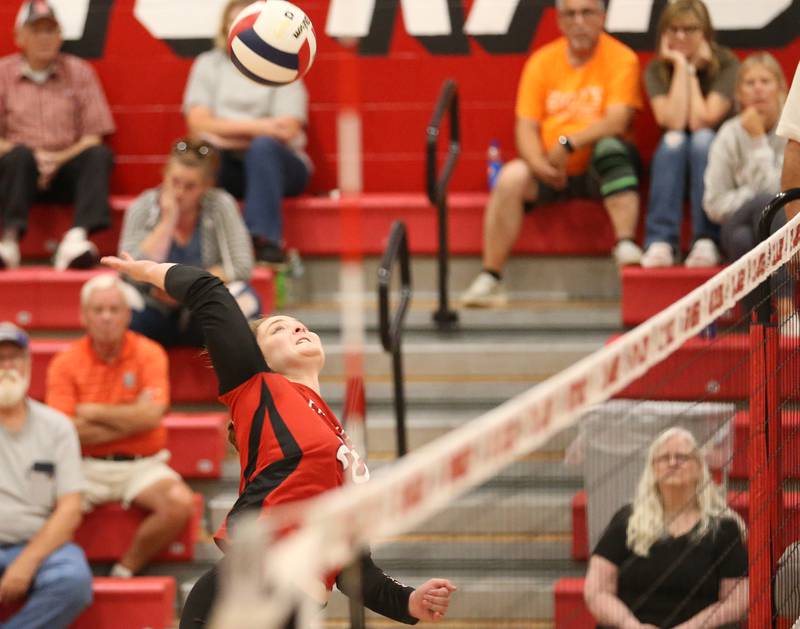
x=259 y=131
x=691 y=85
x=187 y=220
x=676 y=556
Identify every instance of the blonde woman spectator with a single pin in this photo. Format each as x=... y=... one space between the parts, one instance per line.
x=676 y=556
x=691 y=87
x=260 y=132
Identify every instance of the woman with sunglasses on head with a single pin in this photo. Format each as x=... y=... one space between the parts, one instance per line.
x=187 y=220
x=676 y=556
x=691 y=85
x=291 y=446
x=259 y=131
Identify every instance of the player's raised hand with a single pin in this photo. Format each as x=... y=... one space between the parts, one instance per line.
x=138 y=270
x=431 y=599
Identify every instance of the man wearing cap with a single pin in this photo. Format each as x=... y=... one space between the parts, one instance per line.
x=44 y=578
x=53 y=117
x=114 y=384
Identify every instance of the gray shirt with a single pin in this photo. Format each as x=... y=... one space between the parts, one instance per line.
x=214 y=82
x=38 y=465
x=740 y=167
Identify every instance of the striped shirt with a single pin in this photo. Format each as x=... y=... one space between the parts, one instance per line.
x=55 y=114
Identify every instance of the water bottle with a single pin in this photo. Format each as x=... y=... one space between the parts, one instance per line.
x=294 y=279
x=493 y=162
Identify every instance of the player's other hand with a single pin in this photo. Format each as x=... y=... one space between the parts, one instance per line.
x=429 y=602
x=137 y=270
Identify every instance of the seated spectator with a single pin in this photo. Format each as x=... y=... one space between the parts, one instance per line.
x=676 y=557
x=188 y=221
x=575 y=103
x=690 y=85
x=42 y=572
x=53 y=116
x=259 y=131
x=745 y=162
x=114 y=385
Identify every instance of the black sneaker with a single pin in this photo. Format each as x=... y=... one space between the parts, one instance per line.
x=268 y=251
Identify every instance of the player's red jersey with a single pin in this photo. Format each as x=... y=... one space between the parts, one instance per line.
x=291 y=445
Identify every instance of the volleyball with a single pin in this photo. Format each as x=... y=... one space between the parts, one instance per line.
x=272 y=42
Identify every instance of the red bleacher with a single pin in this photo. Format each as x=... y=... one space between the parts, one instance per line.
x=790 y=445
x=106 y=533
x=739 y=502
x=570 y=610
x=197 y=443
x=130 y=604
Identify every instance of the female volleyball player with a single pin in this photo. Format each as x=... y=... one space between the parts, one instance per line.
x=291 y=446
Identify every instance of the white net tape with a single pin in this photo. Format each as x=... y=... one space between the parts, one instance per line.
x=335 y=525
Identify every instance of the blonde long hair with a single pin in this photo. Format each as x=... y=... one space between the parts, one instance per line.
x=770 y=63
x=221 y=38
x=647 y=524
x=679 y=8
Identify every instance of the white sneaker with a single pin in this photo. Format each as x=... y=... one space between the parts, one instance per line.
x=9 y=254
x=704 y=253
x=75 y=251
x=627 y=253
x=658 y=255
x=486 y=291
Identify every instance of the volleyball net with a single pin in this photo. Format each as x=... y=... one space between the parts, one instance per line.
x=702 y=364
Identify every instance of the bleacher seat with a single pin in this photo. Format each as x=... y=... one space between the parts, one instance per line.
x=106 y=533
x=790 y=445
x=197 y=443
x=312 y=224
x=738 y=500
x=41 y=298
x=190 y=375
x=646 y=292
x=569 y=608
x=130 y=604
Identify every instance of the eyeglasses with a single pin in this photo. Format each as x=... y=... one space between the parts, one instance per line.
x=201 y=149
x=681 y=458
x=691 y=29
x=584 y=14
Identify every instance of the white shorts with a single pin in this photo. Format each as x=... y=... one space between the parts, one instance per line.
x=122 y=481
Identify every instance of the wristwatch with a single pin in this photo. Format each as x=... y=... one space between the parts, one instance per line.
x=566 y=143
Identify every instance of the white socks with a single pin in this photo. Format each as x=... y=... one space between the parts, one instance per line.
x=120 y=571
x=10 y=235
x=76 y=233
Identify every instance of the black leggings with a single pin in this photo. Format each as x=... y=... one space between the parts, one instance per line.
x=200 y=602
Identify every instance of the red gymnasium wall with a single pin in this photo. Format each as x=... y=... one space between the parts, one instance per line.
x=142 y=50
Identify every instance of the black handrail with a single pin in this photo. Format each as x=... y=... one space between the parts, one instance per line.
x=437 y=185
x=392 y=328
x=761 y=295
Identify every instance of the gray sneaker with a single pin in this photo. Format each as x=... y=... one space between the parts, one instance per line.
x=486 y=291
x=9 y=254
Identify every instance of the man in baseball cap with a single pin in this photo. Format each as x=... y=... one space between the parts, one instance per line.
x=34 y=11
x=45 y=576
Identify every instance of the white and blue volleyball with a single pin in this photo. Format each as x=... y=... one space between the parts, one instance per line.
x=272 y=42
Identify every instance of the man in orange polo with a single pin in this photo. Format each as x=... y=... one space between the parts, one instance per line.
x=114 y=385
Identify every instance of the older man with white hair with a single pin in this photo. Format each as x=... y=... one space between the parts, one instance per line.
x=43 y=576
x=114 y=385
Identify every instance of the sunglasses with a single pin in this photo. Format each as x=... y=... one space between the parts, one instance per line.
x=201 y=149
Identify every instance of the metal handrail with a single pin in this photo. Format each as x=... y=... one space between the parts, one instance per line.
x=761 y=294
x=391 y=328
x=437 y=185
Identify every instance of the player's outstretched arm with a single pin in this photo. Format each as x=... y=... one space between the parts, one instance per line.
x=232 y=347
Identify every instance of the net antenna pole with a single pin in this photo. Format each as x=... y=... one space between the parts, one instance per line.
x=766 y=485
x=444 y=318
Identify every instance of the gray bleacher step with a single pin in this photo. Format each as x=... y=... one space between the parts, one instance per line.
x=528 y=277
x=481 y=549
x=485 y=511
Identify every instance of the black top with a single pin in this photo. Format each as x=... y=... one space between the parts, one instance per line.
x=680 y=576
x=236 y=358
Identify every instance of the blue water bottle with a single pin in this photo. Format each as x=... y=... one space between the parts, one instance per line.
x=493 y=162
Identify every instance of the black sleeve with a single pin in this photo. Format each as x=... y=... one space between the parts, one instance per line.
x=233 y=349
x=731 y=550
x=380 y=593
x=612 y=544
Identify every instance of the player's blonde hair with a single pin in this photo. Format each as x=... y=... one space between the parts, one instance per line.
x=647 y=525
x=221 y=38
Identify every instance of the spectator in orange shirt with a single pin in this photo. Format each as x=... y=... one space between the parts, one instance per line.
x=575 y=103
x=53 y=117
x=114 y=385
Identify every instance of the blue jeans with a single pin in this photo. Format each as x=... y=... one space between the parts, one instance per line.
x=268 y=172
x=61 y=589
x=679 y=152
